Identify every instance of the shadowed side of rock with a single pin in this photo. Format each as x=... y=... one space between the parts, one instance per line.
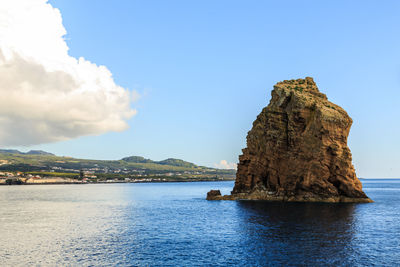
x=297 y=150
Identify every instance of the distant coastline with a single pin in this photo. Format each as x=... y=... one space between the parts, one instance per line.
x=16 y=180
x=40 y=167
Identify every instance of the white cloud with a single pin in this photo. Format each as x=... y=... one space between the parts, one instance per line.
x=223 y=164
x=47 y=95
x=135 y=96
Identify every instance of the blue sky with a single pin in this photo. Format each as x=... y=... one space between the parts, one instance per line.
x=205 y=69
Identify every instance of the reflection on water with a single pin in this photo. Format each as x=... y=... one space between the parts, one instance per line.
x=302 y=233
x=41 y=223
x=172 y=224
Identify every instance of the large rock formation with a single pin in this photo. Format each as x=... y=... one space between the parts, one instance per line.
x=297 y=150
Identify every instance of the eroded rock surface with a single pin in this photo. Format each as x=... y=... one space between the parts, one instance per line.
x=297 y=150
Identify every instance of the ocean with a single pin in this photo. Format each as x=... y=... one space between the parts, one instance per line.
x=171 y=224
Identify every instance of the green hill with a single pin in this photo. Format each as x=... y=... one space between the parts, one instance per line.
x=41 y=161
x=137 y=159
x=177 y=162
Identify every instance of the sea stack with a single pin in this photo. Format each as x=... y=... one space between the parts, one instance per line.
x=297 y=150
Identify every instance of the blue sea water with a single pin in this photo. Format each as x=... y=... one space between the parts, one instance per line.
x=171 y=224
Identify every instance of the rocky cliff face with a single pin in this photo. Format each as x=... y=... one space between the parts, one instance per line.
x=297 y=150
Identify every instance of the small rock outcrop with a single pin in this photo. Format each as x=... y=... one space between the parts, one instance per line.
x=297 y=150
x=213 y=194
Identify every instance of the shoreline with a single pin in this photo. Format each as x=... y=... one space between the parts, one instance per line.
x=114 y=182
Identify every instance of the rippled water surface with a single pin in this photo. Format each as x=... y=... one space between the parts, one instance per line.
x=172 y=224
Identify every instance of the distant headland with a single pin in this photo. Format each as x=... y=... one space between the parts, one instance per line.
x=297 y=150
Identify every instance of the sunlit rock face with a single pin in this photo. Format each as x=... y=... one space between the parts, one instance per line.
x=297 y=150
